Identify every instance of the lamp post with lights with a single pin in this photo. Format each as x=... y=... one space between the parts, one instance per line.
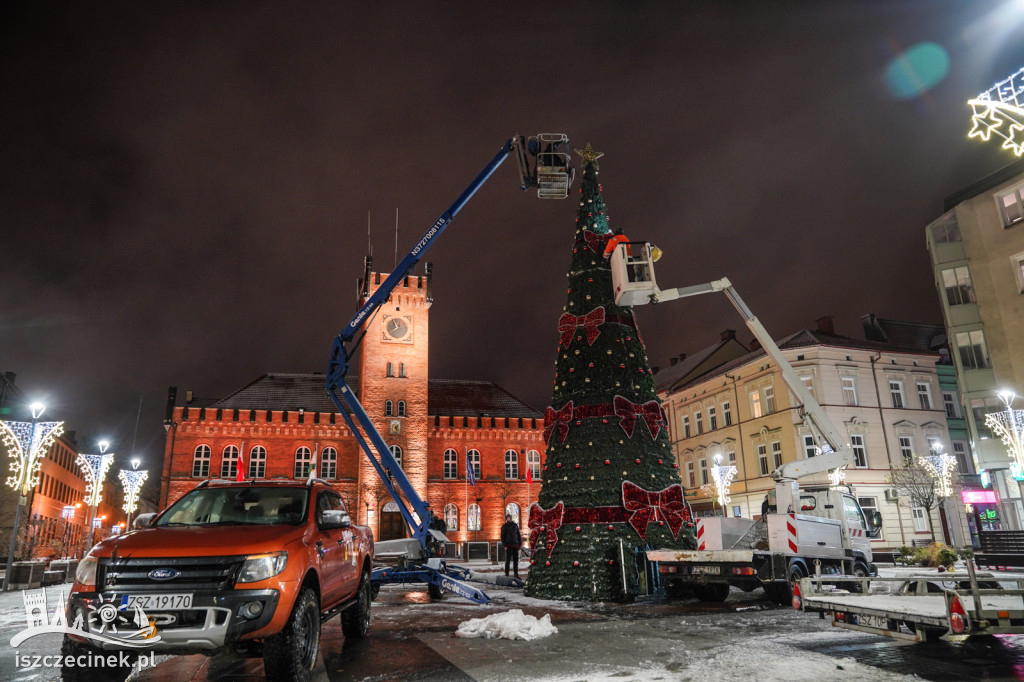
x=132 y=480
x=95 y=469
x=26 y=443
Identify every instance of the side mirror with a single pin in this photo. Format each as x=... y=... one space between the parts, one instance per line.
x=334 y=518
x=876 y=518
x=143 y=520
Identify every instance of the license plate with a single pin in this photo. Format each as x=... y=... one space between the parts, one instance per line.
x=708 y=570
x=877 y=622
x=156 y=602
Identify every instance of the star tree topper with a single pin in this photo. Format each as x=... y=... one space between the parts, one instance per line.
x=589 y=155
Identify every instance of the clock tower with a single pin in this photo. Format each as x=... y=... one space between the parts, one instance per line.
x=393 y=382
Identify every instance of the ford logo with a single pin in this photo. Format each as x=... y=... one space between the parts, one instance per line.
x=164 y=574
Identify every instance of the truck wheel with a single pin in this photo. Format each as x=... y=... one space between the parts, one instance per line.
x=292 y=653
x=712 y=592
x=70 y=647
x=355 y=620
x=435 y=591
x=675 y=589
x=861 y=571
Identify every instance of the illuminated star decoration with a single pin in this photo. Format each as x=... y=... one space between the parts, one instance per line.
x=589 y=155
x=722 y=476
x=837 y=477
x=1009 y=426
x=27 y=442
x=1000 y=110
x=95 y=469
x=941 y=468
x=132 y=481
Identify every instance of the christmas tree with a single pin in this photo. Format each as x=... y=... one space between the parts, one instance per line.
x=610 y=484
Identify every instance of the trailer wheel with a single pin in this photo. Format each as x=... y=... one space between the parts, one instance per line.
x=712 y=592
x=781 y=593
x=435 y=591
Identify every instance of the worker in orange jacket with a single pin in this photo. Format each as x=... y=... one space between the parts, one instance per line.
x=613 y=241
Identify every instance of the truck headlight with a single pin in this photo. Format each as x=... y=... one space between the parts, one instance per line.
x=262 y=566
x=85 y=574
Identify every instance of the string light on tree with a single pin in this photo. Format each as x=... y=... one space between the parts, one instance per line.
x=1000 y=111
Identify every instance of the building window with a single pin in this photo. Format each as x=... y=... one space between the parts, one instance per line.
x=762 y=460
x=810 y=449
x=947 y=230
x=474 y=517
x=451 y=516
x=777 y=453
x=390 y=370
x=389 y=408
x=1017 y=262
x=691 y=474
x=512 y=509
x=533 y=462
x=703 y=472
x=258 y=462
x=686 y=426
x=860 y=453
x=920 y=520
x=849 y=391
x=907 y=451
x=451 y=464
x=727 y=413
x=511 y=465
x=957 y=283
x=972 y=349
x=396 y=452
x=401 y=408
x=924 y=394
x=712 y=418
x=808 y=382
x=769 y=399
x=474 y=461
x=401 y=370
x=1011 y=205
x=328 y=464
x=201 y=462
x=980 y=407
x=896 y=393
x=949 y=403
x=698 y=421
x=755 y=403
x=963 y=462
x=303 y=458
x=869 y=505
x=730 y=457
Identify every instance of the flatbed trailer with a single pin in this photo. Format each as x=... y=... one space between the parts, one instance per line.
x=923 y=606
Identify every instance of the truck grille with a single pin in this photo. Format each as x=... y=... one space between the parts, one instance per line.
x=194 y=573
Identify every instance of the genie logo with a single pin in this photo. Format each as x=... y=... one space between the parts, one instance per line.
x=456 y=587
x=164 y=574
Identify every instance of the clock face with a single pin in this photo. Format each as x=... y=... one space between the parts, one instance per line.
x=396 y=328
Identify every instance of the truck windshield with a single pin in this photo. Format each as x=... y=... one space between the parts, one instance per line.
x=241 y=505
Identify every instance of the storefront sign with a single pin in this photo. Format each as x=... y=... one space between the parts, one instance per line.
x=979 y=497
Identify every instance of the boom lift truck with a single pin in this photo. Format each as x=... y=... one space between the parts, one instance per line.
x=417 y=558
x=817 y=526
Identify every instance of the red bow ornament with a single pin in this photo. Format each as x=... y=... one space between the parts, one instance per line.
x=651 y=412
x=557 y=420
x=595 y=241
x=545 y=523
x=590 y=322
x=653 y=506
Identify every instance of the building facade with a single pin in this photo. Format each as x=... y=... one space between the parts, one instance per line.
x=741 y=413
x=434 y=428
x=977 y=254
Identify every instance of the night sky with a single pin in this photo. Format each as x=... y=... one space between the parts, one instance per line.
x=187 y=186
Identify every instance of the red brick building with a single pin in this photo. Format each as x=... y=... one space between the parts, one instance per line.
x=278 y=421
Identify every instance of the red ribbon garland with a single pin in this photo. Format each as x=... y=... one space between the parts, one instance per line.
x=590 y=322
x=648 y=506
x=546 y=523
x=651 y=411
x=559 y=420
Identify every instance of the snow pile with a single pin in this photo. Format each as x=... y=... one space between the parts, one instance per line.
x=512 y=624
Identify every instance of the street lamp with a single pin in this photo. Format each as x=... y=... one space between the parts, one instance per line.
x=26 y=443
x=132 y=480
x=1009 y=425
x=95 y=469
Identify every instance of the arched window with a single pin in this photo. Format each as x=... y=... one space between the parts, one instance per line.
x=451 y=464
x=389 y=408
x=451 y=516
x=474 y=517
x=258 y=462
x=201 y=462
x=512 y=509
x=401 y=408
x=474 y=460
x=303 y=457
x=329 y=464
x=396 y=452
x=511 y=464
x=229 y=462
x=533 y=462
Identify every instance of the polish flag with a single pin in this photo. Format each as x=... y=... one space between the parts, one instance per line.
x=239 y=476
x=529 y=475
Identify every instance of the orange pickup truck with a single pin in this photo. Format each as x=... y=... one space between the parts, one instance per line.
x=248 y=567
